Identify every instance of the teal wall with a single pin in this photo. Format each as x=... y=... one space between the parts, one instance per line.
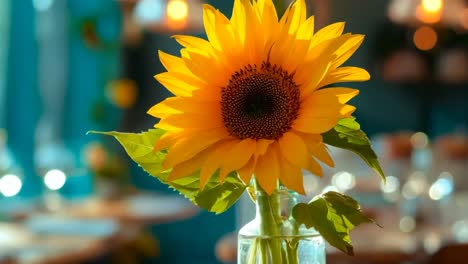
x=88 y=72
x=22 y=93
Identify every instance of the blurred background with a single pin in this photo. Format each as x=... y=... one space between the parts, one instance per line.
x=70 y=66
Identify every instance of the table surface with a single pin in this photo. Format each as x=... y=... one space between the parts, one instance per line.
x=82 y=231
x=143 y=208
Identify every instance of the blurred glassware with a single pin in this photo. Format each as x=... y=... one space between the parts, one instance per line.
x=451 y=155
x=415 y=203
x=396 y=152
x=458 y=213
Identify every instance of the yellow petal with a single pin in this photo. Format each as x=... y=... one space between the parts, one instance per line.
x=347 y=110
x=306 y=30
x=174 y=83
x=197 y=63
x=309 y=79
x=209 y=21
x=297 y=16
x=267 y=11
x=186 y=148
x=198 y=44
x=347 y=49
x=238 y=20
x=246 y=172
x=191 y=121
x=254 y=43
x=317 y=148
x=321 y=110
x=291 y=177
x=314 y=167
x=166 y=140
x=293 y=149
x=267 y=171
x=328 y=32
x=296 y=55
x=177 y=105
x=314 y=125
x=345 y=74
x=237 y=157
x=213 y=161
x=174 y=64
x=190 y=166
x=327 y=50
x=262 y=146
x=328 y=95
x=162 y=110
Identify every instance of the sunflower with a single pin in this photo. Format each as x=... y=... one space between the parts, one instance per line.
x=253 y=97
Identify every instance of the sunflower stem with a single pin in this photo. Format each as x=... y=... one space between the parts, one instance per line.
x=269 y=212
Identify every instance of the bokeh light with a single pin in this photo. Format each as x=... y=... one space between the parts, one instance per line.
x=442 y=187
x=177 y=10
x=391 y=185
x=425 y=38
x=407 y=224
x=419 y=140
x=330 y=188
x=10 y=185
x=430 y=11
x=344 y=180
x=55 y=179
x=460 y=231
x=122 y=93
x=42 y=5
x=415 y=185
x=147 y=11
x=432 y=6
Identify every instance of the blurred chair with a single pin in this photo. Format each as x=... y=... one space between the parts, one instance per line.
x=450 y=254
x=372 y=258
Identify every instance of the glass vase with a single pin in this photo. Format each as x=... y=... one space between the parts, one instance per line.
x=274 y=236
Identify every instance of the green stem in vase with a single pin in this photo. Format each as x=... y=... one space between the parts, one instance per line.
x=269 y=211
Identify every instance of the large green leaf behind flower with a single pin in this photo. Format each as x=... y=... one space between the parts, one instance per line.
x=347 y=134
x=215 y=197
x=333 y=215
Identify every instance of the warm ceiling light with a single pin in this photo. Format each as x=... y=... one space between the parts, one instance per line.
x=425 y=38
x=430 y=11
x=177 y=10
x=417 y=12
x=427 y=17
x=432 y=6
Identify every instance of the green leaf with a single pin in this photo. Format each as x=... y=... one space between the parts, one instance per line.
x=347 y=134
x=215 y=197
x=333 y=215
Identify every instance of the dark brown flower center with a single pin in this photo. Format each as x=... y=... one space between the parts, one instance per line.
x=260 y=102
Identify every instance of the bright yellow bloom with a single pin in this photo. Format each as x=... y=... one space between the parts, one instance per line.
x=248 y=99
